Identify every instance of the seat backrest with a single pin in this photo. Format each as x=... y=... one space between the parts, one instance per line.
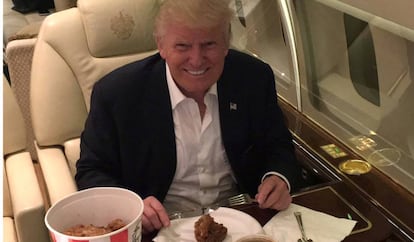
x=75 y=48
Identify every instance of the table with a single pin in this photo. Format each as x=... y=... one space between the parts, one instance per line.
x=332 y=199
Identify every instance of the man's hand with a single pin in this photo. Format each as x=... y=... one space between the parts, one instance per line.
x=155 y=216
x=273 y=193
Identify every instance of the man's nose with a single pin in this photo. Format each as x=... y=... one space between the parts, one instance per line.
x=197 y=56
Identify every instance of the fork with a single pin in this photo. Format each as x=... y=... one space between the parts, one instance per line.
x=235 y=200
x=240 y=199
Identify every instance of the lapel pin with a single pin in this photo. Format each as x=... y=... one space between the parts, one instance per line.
x=233 y=106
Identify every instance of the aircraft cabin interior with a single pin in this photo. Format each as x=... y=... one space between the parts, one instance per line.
x=344 y=72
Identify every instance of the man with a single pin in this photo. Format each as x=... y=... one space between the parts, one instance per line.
x=191 y=125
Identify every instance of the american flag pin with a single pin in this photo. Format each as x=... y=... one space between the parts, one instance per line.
x=233 y=106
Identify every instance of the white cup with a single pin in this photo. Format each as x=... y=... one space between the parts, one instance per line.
x=256 y=238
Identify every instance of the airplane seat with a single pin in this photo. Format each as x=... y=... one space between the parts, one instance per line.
x=20 y=30
x=74 y=49
x=23 y=204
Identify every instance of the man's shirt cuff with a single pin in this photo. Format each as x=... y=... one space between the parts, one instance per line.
x=279 y=175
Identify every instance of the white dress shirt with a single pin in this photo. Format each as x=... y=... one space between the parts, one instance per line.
x=203 y=174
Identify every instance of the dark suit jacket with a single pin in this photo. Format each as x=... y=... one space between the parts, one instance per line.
x=129 y=138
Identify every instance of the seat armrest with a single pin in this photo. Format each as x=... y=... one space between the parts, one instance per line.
x=9 y=231
x=58 y=178
x=72 y=152
x=26 y=197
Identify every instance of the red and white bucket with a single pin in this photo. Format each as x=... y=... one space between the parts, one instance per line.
x=97 y=206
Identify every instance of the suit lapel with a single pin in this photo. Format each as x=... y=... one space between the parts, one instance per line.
x=160 y=114
x=233 y=110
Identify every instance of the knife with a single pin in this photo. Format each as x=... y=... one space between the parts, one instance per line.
x=191 y=213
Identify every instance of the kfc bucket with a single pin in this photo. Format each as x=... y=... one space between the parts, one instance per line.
x=97 y=206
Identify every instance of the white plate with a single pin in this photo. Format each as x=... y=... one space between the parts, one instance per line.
x=238 y=224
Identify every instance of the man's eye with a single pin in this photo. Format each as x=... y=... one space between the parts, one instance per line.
x=182 y=46
x=211 y=44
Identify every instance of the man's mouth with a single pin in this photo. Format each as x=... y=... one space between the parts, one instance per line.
x=197 y=72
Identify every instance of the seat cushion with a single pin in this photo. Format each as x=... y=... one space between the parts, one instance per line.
x=27 y=32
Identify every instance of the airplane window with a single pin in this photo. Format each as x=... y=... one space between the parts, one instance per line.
x=259 y=29
x=358 y=82
x=345 y=67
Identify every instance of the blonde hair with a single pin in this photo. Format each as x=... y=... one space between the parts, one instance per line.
x=194 y=14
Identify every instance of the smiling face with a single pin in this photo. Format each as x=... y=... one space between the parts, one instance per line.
x=195 y=56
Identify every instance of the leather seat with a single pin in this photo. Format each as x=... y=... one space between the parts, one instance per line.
x=23 y=205
x=74 y=49
x=19 y=38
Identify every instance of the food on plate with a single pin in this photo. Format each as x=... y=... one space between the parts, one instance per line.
x=82 y=230
x=207 y=230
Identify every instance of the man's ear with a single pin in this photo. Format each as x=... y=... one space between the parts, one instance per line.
x=160 y=46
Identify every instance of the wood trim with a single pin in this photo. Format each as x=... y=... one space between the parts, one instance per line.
x=388 y=197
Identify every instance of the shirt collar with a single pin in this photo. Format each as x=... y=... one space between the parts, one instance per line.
x=176 y=95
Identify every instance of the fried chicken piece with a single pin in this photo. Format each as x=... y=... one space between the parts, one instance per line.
x=116 y=224
x=85 y=230
x=207 y=230
x=92 y=230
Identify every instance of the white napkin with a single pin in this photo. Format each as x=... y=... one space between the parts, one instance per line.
x=320 y=227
